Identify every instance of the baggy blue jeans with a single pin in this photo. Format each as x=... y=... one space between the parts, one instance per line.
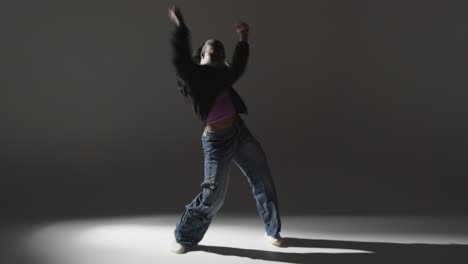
x=221 y=147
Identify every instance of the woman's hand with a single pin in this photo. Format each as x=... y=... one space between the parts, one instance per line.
x=243 y=30
x=175 y=15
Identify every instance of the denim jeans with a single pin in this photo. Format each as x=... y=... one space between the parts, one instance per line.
x=235 y=143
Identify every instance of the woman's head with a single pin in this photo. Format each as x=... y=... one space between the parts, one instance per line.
x=213 y=53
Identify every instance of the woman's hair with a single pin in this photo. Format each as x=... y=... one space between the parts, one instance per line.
x=218 y=48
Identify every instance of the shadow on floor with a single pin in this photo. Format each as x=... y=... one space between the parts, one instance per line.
x=378 y=252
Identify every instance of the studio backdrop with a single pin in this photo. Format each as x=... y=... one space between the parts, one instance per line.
x=360 y=106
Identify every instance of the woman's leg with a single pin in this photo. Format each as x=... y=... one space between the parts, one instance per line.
x=199 y=213
x=251 y=160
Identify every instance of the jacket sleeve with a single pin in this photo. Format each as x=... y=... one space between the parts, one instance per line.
x=182 y=86
x=186 y=68
x=196 y=54
x=239 y=59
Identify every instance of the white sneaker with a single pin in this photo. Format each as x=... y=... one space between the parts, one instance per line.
x=275 y=241
x=178 y=248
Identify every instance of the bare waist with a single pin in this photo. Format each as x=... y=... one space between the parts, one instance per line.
x=220 y=124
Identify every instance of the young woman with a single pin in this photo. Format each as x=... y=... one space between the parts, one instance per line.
x=206 y=80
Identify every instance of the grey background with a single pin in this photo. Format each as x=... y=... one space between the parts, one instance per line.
x=359 y=105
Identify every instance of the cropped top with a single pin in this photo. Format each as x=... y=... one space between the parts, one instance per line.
x=221 y=108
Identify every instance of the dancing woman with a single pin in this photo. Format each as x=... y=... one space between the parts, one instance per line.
x=206 y=79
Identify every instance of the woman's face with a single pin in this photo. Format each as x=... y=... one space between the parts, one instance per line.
x=209 y=56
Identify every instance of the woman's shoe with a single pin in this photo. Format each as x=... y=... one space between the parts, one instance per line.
x=178 y=248
x=274 y=240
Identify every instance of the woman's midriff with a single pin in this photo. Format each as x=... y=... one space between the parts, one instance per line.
x=227 y=122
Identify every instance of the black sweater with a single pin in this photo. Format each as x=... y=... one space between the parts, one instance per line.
x=202 y=83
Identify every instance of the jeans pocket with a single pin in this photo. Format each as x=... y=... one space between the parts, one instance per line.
x=191 y=227
x=209 y=187
x=192 y=221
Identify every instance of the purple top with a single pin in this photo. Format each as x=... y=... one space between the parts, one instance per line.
x=222 y=108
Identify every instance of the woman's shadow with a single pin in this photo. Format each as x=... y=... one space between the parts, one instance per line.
x=374 y=252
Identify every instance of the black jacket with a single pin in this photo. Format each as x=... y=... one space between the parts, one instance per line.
x=202 y=83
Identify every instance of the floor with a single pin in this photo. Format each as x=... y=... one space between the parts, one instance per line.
x=239 y=239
